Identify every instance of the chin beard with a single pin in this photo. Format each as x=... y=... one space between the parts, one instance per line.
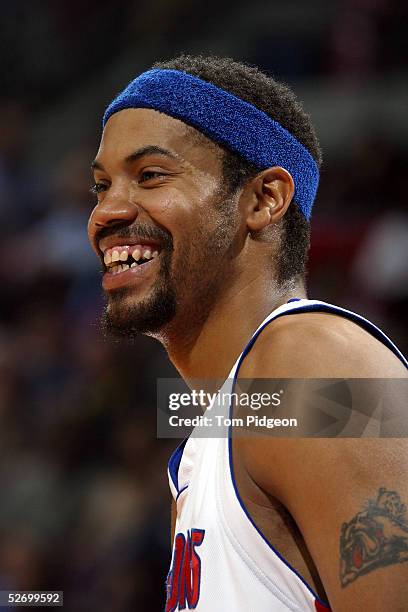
x=122 y=320
x=148 y=317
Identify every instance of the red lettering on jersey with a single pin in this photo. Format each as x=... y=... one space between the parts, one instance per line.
x=184 y=579
x=320 y=607
x=173 y=579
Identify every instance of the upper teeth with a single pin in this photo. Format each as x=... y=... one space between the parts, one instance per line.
x=123 y=253
x=136 y=254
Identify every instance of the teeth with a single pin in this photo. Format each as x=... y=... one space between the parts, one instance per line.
x=136 y=254
x=120 y=268
x=133 y=265
x=119 y=256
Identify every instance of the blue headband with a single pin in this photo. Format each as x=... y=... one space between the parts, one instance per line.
x=227 y=120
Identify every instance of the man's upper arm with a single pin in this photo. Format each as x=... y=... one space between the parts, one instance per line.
x=348 y=496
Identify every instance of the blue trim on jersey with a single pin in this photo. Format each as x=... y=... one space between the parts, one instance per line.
x=347 y=314
x=174 y=464
x=375 y=331
x=181 y=491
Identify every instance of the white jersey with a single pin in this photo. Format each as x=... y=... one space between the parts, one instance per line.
x=221 y=562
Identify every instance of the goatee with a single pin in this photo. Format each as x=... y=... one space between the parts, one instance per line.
x=120 y=320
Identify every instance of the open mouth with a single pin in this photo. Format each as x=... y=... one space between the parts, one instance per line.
x=118 y=259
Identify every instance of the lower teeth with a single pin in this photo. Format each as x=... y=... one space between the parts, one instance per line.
x=124 y=267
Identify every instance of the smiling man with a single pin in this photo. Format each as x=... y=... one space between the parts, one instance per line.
x=205 y=177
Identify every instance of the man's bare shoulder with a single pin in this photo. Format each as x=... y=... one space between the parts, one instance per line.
x=321 y=345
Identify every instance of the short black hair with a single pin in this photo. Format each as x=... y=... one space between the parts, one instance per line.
x=279 y=102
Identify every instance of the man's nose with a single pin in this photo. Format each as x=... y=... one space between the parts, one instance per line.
x=115 y=209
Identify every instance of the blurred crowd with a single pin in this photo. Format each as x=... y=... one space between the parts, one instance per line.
x=85 y=505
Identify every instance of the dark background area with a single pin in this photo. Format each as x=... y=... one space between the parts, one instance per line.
x=84 y=505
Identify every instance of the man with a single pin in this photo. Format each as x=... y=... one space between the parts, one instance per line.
x=205 y=177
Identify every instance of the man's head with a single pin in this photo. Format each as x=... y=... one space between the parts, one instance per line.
x=212 y=215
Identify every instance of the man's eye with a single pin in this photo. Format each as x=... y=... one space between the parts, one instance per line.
x=97 y=188
x=150 y=174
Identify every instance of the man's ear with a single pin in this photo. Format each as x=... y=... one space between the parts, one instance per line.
x=273 y=189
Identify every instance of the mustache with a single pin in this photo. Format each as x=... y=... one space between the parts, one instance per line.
x=141 y=231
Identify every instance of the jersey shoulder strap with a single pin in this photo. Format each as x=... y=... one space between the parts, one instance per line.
x=296 y=306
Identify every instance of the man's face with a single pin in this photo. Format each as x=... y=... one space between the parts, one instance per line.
x=163 y=226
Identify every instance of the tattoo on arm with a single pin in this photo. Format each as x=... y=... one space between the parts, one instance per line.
x=375 y=537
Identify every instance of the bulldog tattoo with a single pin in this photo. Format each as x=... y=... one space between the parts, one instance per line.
x=375 y=537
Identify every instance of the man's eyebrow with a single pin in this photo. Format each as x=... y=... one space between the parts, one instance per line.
x=148 y=150
x=151 y=150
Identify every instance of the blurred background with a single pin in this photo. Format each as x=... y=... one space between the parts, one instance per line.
x=85 y=505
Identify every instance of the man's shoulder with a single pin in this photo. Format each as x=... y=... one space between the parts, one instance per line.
x=321 y=345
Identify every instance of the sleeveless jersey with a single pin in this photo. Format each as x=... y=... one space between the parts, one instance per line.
x=221 y=562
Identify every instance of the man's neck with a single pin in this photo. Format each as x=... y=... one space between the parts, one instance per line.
x=210 y=351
